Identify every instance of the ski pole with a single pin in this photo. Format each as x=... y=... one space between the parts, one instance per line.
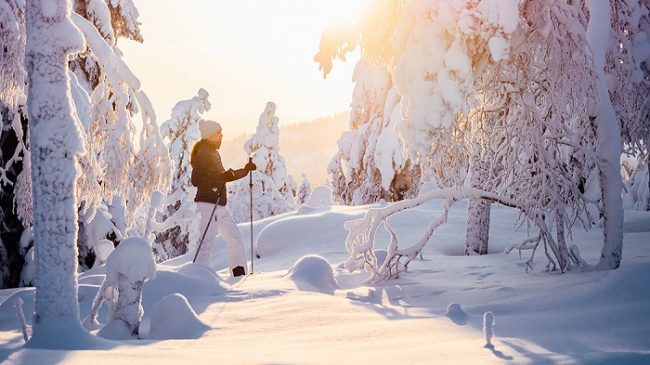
x=206 y=230
x=250 y=188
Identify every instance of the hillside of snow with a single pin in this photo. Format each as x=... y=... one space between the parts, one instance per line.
x=301 y=306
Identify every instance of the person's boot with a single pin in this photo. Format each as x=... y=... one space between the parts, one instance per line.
x=238 y=271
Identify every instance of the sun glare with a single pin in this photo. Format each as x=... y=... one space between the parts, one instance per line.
x=244 y=53
x=344 y=11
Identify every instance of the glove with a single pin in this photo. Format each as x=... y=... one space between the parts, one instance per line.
x=250 y=166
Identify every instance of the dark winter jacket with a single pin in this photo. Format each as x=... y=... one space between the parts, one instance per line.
x=209 y=175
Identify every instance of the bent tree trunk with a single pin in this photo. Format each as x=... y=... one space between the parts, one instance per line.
x=478 y=211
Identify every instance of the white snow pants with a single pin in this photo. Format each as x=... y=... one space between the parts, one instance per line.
x=224 y=224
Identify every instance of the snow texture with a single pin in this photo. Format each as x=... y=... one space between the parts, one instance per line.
x=554 y=328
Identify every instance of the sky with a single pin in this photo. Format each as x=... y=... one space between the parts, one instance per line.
x=244 y=53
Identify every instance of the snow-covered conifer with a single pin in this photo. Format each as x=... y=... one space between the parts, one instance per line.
x=181 y=131
x=264 y=148
x=274 y=189
x=304 y=191
x=267 y=198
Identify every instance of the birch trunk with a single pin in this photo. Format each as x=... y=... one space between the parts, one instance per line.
x=610 y=144
x=478 y=212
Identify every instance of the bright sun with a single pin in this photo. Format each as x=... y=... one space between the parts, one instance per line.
x=345 y=11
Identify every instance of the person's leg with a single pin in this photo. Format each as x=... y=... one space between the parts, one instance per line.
x=205 y=209
x=230 y=233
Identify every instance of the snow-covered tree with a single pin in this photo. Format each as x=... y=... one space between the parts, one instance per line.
x=628 y=60
x=304 y=191
x=181 y=132
x=55 y=140
x=637 y=194
x=267 y=199
x=535 y=121
x=127 y=269
x=274 y=189
x=370 y=164
x=264 y=148
x=512 y=84
x=106 y=96
x=13 y=139
x=610 y=144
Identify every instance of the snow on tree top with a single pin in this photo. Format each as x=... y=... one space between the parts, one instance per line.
x=133 y=259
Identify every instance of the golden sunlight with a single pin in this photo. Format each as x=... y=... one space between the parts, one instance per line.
x=244 y=53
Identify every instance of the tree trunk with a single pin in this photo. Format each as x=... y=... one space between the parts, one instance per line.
x=478 y=212
x=55 y=141
x=610 y=144
x=563 y=257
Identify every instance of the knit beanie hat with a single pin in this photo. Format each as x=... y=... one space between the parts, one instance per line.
x=208 y=128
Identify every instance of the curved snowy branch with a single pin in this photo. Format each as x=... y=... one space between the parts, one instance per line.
x=360 y=241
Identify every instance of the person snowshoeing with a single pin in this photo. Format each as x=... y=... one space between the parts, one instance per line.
x=210 y=178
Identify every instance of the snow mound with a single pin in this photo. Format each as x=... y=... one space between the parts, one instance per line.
x=115 y=330
x=313 y=273
x=456 y=314
x=103 y=250
x=173 y=318
x=321 y=196
x=190 y=280
x=303 y=232
x=132 y=259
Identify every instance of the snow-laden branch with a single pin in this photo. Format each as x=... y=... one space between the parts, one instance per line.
x=360 y=241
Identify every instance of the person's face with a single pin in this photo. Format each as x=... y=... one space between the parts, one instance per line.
x=217 y=137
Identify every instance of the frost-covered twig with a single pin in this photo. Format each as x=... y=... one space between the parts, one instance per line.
x=107 y=292
x=527 y=244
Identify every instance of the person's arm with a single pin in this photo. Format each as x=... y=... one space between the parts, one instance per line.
x=250 y=166
x=232 y=175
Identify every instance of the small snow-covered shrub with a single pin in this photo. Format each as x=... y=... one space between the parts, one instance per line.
x=127 y=268
x=488 y=328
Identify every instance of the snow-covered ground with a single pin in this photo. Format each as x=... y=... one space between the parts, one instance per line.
x=298 y=309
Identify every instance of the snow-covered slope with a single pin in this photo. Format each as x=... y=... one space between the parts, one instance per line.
x=309 y=315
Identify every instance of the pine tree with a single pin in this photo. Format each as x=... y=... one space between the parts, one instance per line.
x=274 y=189
x=182 y=131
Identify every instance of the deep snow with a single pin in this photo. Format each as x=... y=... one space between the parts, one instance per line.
x=304 y=315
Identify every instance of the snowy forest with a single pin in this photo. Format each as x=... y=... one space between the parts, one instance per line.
x=476 y=128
